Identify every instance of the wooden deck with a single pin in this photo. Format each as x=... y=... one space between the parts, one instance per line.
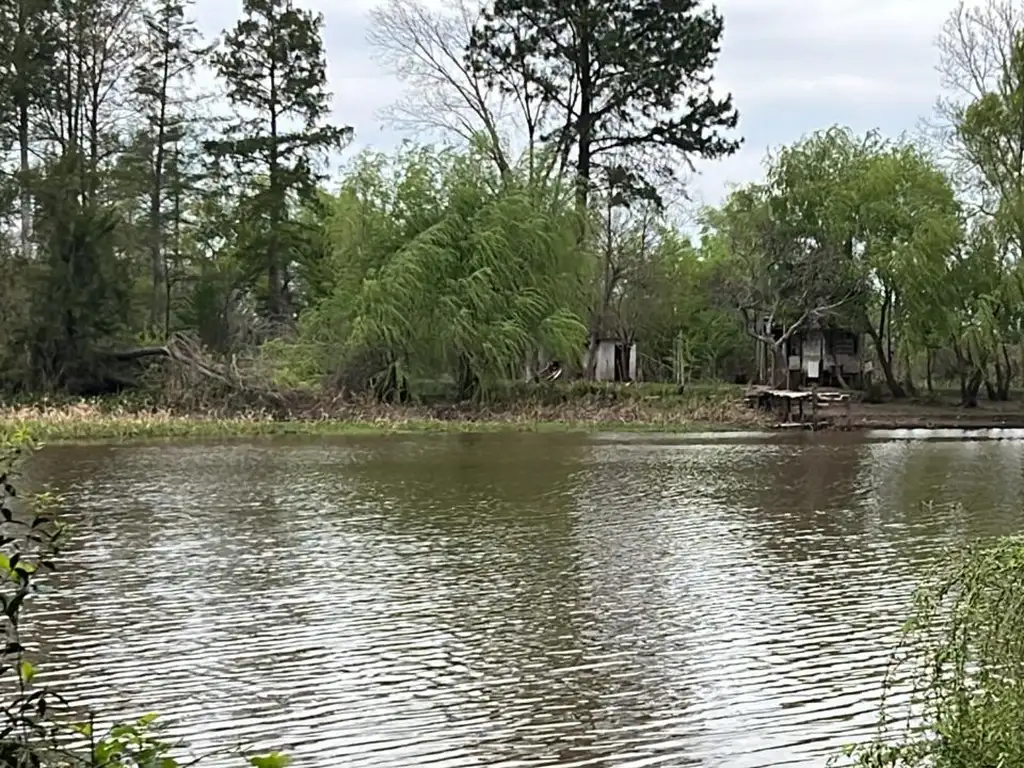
x=798 y=409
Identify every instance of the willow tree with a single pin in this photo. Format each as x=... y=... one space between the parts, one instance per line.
x=988 y=132
x=779 y=281
x=474 y=274
x=961 y=660
x=871 y=223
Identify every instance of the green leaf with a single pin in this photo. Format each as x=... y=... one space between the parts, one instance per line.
x=272 y=760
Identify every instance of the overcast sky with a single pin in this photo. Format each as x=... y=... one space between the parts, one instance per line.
x=793 y=66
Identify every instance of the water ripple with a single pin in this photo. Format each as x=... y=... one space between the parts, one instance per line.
x=506 y=600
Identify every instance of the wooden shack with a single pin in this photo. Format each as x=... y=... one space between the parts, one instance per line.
x=827 y=357
x=615 y=360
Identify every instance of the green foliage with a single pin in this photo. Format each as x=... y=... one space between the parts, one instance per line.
x=639 y=72
x=79 y=288
x=281 y=96
x=135 y=215
x=855 y=230
x=962 y=655
x=442 y=267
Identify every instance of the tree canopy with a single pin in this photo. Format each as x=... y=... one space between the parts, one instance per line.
x=542 y=213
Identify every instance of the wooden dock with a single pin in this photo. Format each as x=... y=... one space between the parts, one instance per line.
x=798 y=409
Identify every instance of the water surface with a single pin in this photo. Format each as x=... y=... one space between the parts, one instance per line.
x=508 y=600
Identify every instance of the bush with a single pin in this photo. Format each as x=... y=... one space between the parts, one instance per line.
x=959 y=668
x=36 y=730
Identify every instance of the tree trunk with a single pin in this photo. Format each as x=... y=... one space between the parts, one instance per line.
x=970 y=385
x=467 y=381
x=157 y=264
x=885 y=361
x=990 y=390
x=590 y=357
x=780 y=377
x=277 y=299
x=26 y=192
x=1004 y=391
x=908 y=376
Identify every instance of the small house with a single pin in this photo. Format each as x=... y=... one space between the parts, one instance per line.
x=829 y=357
x=615 y=360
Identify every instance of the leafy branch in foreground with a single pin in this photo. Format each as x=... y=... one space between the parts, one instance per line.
x=35 y=729
x=957 y=679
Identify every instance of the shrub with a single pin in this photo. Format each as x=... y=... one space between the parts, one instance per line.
x=957 y=678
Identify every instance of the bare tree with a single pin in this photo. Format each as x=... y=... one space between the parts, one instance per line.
x=975 y=47
x=426 y=47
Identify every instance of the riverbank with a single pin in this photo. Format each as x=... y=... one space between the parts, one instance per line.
x=578 y=407
x=571 y=408
x=940 y=412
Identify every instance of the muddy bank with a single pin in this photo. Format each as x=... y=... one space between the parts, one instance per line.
x=911 y=415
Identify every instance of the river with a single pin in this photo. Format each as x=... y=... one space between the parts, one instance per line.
x=507 y=600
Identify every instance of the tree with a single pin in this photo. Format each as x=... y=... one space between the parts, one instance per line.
x=80 y=298
x=424 y=47
x=625 y=76
x=171 y=54
x=974 y=53
x=274 y=67
x=446 y=270
x=628 y=83
x=877 y=215
x=24 y=69
x=887 y=207
x=778 y=280
x=982 y=122
x=97 y=46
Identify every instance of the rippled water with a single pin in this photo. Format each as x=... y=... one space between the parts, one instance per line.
x=507 y=600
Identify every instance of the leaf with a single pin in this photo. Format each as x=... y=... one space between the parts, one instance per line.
x=272 y=760
x=83 y=729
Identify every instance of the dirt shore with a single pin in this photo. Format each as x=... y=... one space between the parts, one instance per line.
x=940 y=415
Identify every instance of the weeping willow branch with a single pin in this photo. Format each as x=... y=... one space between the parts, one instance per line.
x=958 y=674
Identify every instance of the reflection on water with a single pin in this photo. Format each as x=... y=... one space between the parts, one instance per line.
x=508 y=600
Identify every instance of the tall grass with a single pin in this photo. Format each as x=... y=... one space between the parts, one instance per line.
x=582 y=406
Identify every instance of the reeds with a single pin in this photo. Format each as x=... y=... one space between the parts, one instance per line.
x=592 y=408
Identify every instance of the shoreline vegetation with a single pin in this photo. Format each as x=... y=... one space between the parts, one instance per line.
x=199 y=248
x=579 y=407
x=573 y=407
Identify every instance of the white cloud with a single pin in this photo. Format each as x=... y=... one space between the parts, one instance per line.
x=793 y=66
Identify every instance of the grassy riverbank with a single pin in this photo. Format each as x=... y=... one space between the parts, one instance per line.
x=578 y=407
x=574 y=407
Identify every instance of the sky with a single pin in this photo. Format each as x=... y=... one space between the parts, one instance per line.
x=793 y=67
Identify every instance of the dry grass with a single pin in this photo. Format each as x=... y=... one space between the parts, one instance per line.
x=605 y=410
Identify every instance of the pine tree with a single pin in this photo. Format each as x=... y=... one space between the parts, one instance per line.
x=627 y=76
x=172 y=52
x=274 y=66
